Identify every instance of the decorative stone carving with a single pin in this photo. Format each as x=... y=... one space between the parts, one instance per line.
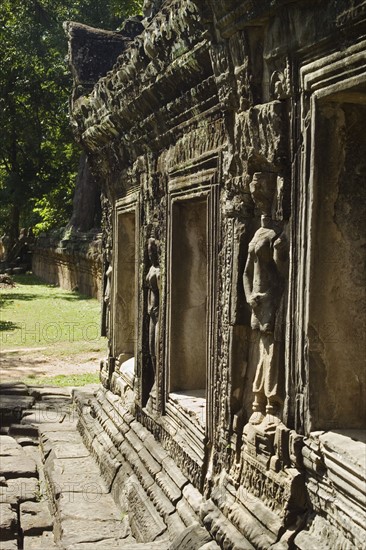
x=214 y=95
x=107 y=294
x=263 y=284
x=280 y=84
x=153 y=283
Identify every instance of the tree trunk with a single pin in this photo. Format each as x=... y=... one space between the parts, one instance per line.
x=14 y=224
x=86 y=212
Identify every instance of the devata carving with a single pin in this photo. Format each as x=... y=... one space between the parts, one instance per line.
x=107 y=293
x=263 y=285
x=153 y=283
x=280 y=84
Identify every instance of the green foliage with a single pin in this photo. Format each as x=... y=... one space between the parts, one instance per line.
x=63 y=380
x=38 y=159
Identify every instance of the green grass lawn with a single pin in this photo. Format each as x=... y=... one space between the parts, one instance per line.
x=63 y=380
x=36 y=315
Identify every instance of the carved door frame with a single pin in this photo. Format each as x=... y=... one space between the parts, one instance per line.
x=210 y=193
x=319 y=80
x=127 y=205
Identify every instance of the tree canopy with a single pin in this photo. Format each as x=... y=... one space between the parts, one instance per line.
x=38 y=157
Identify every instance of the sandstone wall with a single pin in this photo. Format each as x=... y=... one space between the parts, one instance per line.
x=228 y=139
x=74 y=264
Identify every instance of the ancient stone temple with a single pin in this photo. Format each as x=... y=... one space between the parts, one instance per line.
x=229 y=139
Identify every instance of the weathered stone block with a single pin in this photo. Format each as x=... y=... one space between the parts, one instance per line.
x=79 y=475
x=20 y=490
x=75 y=531
x=14 y=404
x=160 y=501
x=119 y=487
x=146 y=523
x=8 y=545
x=193 y=497
x=174 y=472
x=17 y=466
x=169 y=487
x=35 y=518
x=8 y=521
x=90 y=505
x=193 y=537
x=145 y=478
x=42 y=542
x=151 y=464
x=135 y=441
x=210 y=546
x=139 y=430
x=175 y=524
x=9 y=446
x=186 y=512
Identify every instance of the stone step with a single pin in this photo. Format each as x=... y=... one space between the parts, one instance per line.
x=17 y=388
x=134 y=444
x=84 y=510
x=12 y=406
x=86 y=515
x=54 y=497
x=25 y=430
x=141 y=470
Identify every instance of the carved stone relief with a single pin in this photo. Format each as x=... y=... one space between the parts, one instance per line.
x=263 y=284
x=203 y=116
x=153 y=311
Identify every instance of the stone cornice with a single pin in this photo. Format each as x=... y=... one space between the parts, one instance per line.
x=160 y=80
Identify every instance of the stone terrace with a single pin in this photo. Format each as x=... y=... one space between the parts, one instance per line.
x=53 y=495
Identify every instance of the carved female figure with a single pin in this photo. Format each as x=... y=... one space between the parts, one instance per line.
x=263 y=285
x=107 y=293
x=153 y=283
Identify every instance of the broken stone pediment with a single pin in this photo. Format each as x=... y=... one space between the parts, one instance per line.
x=93 y=52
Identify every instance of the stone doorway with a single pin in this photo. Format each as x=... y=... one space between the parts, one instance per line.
x=187 y=379
x=125 y=295
x=337 y=292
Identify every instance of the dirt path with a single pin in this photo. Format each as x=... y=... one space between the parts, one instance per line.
x=21 y=363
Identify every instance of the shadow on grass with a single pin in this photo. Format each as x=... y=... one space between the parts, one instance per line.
x=17 y=296
x=8 y=325
x=77 y=297
x=33 y=280
x=7 y=299
x=29 y=279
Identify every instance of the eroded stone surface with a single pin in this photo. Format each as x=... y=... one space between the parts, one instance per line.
x=45 y=541
x=146 y=523
x=17 y=466
x=92 y=506
x=35 y=518
x=20 y=489
x=118 y=544
x=8 y=545
x=230 y=136
x=9 y=446
x=76 y=475
x=193 y=536
x=8 y=521
x=85 y=531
